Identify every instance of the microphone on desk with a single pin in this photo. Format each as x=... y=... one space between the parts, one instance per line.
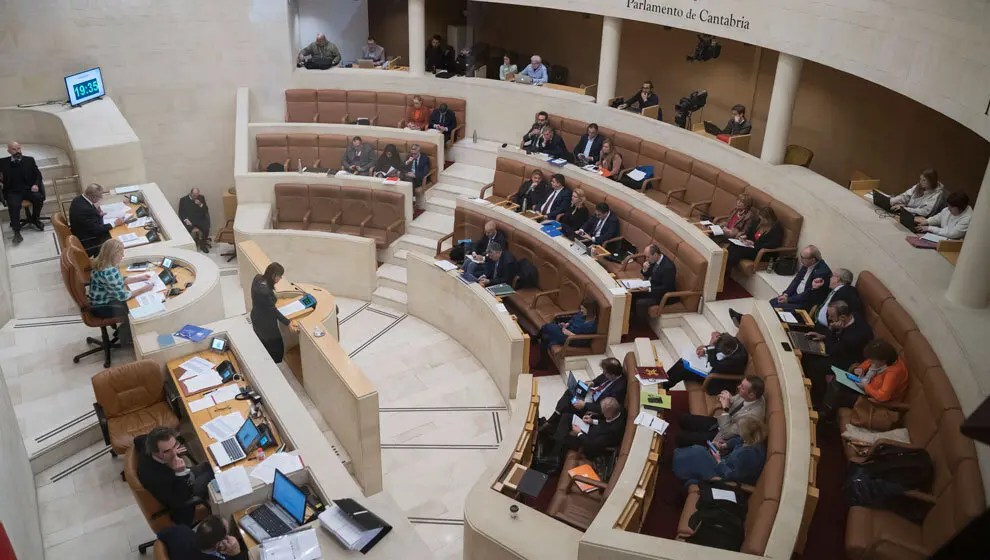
x=294 y=285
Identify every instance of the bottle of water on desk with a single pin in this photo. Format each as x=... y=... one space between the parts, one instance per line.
x=299 y=166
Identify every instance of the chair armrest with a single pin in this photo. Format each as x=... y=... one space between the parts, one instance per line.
x=374 y=120
x=908 y=551
x=579 y=337
x=701 y=204
x=631 y=259
x=440 y=242
x=683 y=293
x=316 y=117
x=723 y=376
x=920 y=496
x=763 y=252
x=432 y=176
x=899 y=406
x=589 y=481
x=481 y=194
x=649 y=182
x=453 y=133
x=306 y=217
x=395 y=224
x=614 y=99
x=672 y=193
x=102 y=419
x=363 y=223
x=336 y=217
x=547 y=293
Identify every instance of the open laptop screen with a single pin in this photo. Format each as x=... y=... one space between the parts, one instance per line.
x=248 y=435
x=289 y=496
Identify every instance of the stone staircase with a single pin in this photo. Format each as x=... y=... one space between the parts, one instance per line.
x=463 y=178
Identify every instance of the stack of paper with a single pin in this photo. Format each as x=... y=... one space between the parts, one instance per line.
x=199 y=374
x=133 y=239
x=140 y=222
x=214 y=398
x=147 y=310
x=156 y=283
x=636 y=174
x=717 y=230
x=691 y=361
x=652 y=422
x=196 y=365
x=299 y=545
x=445 y=265
x=284 y=462
x=934 y=238
x=291 y=308
x=224 y=427
x=787 y=317
x=233 y=483
x=635 y=284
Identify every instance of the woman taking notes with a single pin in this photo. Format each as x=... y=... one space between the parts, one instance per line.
x=107 y=294
x=265 y=316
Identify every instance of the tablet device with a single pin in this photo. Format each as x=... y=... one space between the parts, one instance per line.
x=167 y=263
x=308 y=300
x=167 y=277
x=218 y=344
x=226 y=370
x=135 y=199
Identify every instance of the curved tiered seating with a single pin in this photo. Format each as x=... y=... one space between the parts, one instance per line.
x=364 y=212
x=381 y=108
x=933 y=418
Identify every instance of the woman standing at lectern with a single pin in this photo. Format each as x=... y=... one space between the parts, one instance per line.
x=265 y=316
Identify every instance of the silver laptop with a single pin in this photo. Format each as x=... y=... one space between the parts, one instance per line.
x=285 y=512
x=520 y=79
x=234 y=449
x=366 y=63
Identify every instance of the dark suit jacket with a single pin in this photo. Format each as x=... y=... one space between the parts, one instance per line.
x=810 y=296
x=503 y=271
x=599 y=437
x=555 y=147
x=481 y=245
x=663 y=278
x=198 y=215
x=732 y=128
x=850 y=295
x=773 y=238
x=616 y=390
x=86 y=223
x=534 y=196
x=575 y=217
x=180 y=541
x=609 y=231
x=637 y=102
x=422 y=166
x=734 y=364
x=172 y=491
x=20 y=177
x=596 y=147
x=845 y=347
x=560 y=204
x=448 y=119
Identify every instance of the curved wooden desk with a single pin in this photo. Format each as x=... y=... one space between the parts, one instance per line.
x=171 y=231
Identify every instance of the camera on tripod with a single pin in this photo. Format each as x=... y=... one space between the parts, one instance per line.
x=707 y=49
x=694 y=101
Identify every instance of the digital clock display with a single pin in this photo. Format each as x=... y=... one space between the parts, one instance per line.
x=84 y=86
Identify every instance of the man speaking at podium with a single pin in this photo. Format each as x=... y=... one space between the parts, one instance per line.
x=21 y=180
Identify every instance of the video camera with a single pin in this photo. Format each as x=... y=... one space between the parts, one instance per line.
x=694 y=101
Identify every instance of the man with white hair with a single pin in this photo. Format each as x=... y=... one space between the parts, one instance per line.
x=21 y=181
x=604 y=430
x=841 y=289
x=86 y=219
x=536 y=70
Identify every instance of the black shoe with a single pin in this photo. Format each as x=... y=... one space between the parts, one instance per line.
x=17 y=237
x=736 y=317
x=39 y=225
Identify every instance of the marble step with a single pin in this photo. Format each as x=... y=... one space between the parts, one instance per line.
x=717 y=313
x=432 y=225
x=482 y=154
x=698 y=327
x=452 y=192
x=465 y=175
x=67 y=443
x=441 y=205
x=394 y=256
x=392 y=276
x=416 y=244
x=390 y=297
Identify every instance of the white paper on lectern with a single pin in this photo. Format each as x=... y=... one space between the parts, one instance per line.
x=290 y=308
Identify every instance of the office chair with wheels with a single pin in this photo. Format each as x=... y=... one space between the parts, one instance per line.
x=75 y=284
x=130 y=401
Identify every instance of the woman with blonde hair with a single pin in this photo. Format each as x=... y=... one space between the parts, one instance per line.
x=611 y=160
x=577 y=214
x=417 y=115
x=740 y=459
x=107 y=293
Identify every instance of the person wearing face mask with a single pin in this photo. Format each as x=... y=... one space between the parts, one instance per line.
x=211 y=540
x=444 y=120
x=21 y=180
x=952 y=222
x=738 y=125
x=86 y=219
x=844 y=338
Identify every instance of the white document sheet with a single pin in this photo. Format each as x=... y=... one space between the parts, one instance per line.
x=225 y=393
x=300 y=545
x=635 y=284
x=142 y=267
x=115 y=208
x=202 y=404
x=125 y=190
x=127 y=237
x=636 y=174
x=143 y=240
x=233 y=483
x=719 y=494
x=140 y=222
x=156 y=284
x=290 y=308
x=223 y=427
x=787 y=317
x=653 y=422
x=717 y=230
x=580 y=423
x=148 y=310
x=933 y=237
x=706 y=222
x=150 y=298
x=202 y=381
x=501 y=308
x=591 y=167
x=741 y=243
x=285 y=462
x=690 y=356
x=445 y=265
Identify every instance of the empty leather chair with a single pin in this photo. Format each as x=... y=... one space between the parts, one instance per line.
x=272 y=148
x=388 y=218
x=331 y=106
x=303 y=149
x=130 y=401
x=355 y=210
x=291 y=206
x=300 y=105
x=391 y=109
x=362 y=105
x=798 y=155
x=324 y=206
x=72 y=276
x=331 y=148
x=62 y=231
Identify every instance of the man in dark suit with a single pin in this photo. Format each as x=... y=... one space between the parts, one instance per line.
x=844 y=338
x=725 y=354
x=164 y=473
x=86 y=219
x=802 y=293
x=535 y=131
x=662 y=274
x=611 y=383
x=417 y=168
x=21 y=180
x=481 y=246
x=359 y=157
x=641 y=99
x=605 y=430
x=841 y=289
x=738 y=125
x=552 y=144
x=444 y=120
x=589 y=147
x=601 y=227
x=500 y=266
x=558 y=199
x=531 y=192
x=211 y=540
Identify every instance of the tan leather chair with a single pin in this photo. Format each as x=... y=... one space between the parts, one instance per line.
x=62 y=231
x=130 y=401
x=78 y=253
x=72 y=276
x=362 y=105
x=291 y=206
x=303 y=147
x=300 y=105
x=156 y=514
x=391 y=109
x=272 y=148
x=161 y=553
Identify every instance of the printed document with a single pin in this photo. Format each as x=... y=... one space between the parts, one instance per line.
x=697 y=364
x=224 y=427
x=787 y=317
x=636 y=174
x=290 y=308
x=233 y=483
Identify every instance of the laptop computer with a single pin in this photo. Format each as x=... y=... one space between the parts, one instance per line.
x=234 y=449
x=881 y=200
x=285 y=512
x=907 y=219
x=712 y=128
x=800 y=341
x=365 y=63
x=520 y=79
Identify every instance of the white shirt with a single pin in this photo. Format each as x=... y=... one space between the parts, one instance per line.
x=587 y=146
x=601 y=224
x=823 y=310
x=804 y=281
x=947 y=225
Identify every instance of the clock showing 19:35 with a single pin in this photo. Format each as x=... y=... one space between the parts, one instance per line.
x=84 y=89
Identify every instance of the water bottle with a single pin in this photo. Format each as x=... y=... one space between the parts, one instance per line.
x=474 y=137
x=299 y=165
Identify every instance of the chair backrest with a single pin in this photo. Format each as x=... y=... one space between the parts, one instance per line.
x=300 y=105
x=302 y=147
x=324 y=203
x=391 y=108
x=148 y=504
x=331 y=105
x=77 y=252
x=72 y=277
x=61 y=228
x=361 y=105
x=798 y=155
x=273 y=147
x=356 y=204
x=128 y=388
x=291 y=202
x=331 y=148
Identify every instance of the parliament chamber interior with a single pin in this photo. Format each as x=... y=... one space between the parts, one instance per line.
x=494 y=279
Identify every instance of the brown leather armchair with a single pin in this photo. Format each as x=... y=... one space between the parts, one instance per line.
x=130 y=401
x=74 y=281
x=62 y=230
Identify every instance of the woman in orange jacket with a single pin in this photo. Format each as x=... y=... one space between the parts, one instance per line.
x=883 y=377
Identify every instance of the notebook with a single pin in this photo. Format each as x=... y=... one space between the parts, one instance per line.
x=587 y=472
x=353 y=525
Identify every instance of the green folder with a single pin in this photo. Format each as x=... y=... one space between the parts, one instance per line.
x=501 y=290
x=842 y=376
x=654 y=401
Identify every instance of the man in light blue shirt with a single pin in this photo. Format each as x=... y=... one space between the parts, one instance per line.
x=536 y=70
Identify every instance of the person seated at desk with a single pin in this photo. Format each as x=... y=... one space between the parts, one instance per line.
x=737 y=125
x=610 y=384
x=558 y=200
x=21 y=180
x=507 y=68
x=482 y=246
x=464 y=63
x=921 y=199
x=536 y=70
x=803 y=292
x=589 y=147
x=438 y=55
x=741 y=217
x=265 y=315
x=551 y=144
x=388 y=164
x=952 y=222
x=743 y=462
x=763 y=233
x=500 y=267
x=164 y=473
x=577 y=215
x=841 y=289
x=748 y=402
x=444 y=120
x=418 y=115
x=535 y=131
x=662 y=274
x=358 y=158
x=844 y=338
x=373 y=51
x=724 y=352
x=107 y=294
x=883 y=376
x=604 y=431
x=209 y=541
x=610 y=162
x=416 y=168
x=603 y=227
x=531 y=192
x=320 y=49
x=640 y=100
x=86 y=219
x=585 y=321
x=195 y=215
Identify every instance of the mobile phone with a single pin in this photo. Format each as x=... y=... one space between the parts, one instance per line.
x=712 y=447
x=786 y=346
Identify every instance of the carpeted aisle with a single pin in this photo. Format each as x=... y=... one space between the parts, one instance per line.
x=827 y=535
x=668 y=498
